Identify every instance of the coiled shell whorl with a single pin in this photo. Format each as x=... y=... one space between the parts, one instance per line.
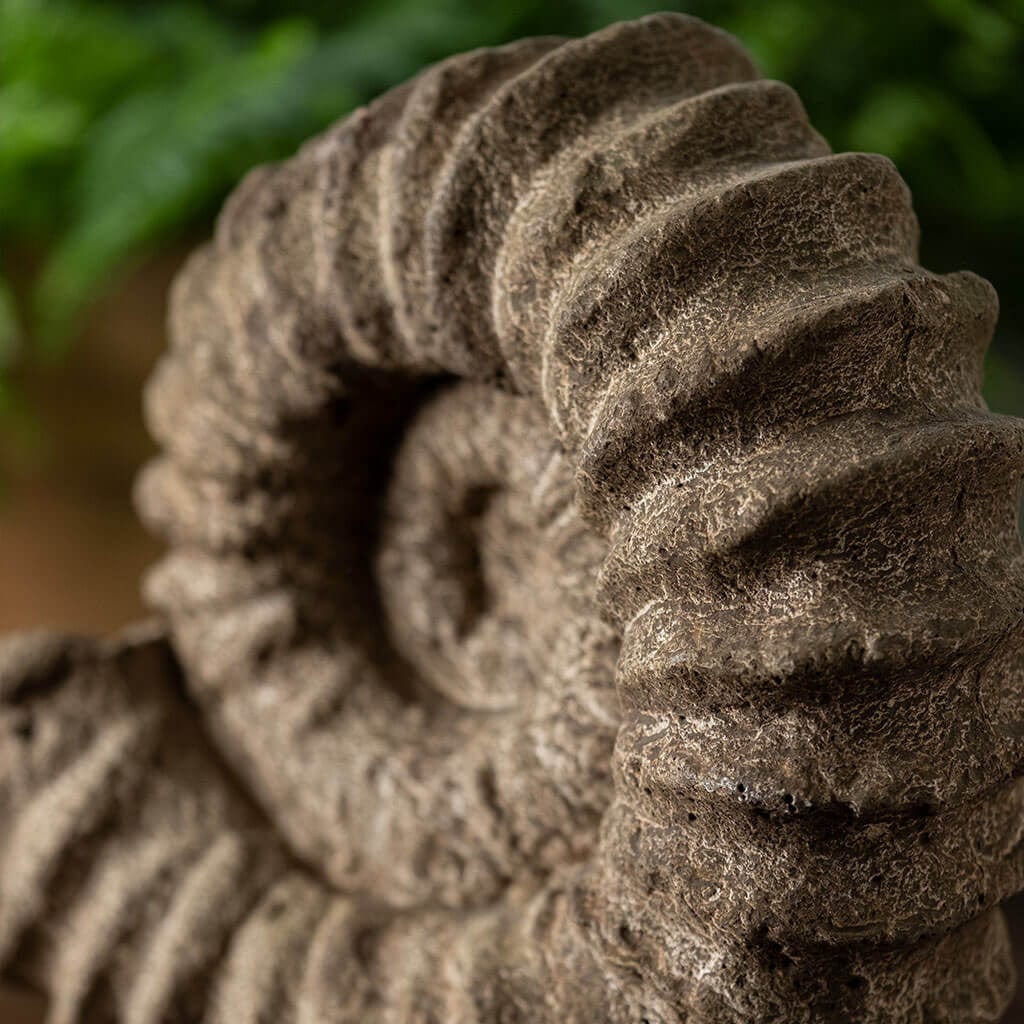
x=589 y=546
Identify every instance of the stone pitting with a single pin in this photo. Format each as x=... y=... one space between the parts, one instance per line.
x=593 y=592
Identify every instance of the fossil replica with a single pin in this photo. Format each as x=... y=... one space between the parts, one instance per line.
x=594 y=588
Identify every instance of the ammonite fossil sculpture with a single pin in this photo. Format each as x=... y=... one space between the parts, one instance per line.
x=594 y=588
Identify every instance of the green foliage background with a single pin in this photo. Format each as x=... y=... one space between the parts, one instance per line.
x=123 y=124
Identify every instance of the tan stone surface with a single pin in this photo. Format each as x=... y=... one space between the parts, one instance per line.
x=589 y=548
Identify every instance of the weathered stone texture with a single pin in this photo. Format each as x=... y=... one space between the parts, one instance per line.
x=589 y=551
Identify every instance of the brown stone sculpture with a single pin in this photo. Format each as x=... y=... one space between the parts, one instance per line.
x=594 y=588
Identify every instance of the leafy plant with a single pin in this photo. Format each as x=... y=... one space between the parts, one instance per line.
x=122 y=124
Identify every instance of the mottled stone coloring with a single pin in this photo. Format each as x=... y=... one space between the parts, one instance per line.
x=594 y=588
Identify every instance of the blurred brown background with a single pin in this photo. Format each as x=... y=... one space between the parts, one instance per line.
x=72 y=551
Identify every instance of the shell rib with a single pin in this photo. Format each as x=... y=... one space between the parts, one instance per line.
x=590 y=548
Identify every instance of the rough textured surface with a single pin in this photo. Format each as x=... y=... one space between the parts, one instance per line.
x=592 y=554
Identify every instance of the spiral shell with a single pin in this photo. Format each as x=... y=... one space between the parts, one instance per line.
x=590 y=548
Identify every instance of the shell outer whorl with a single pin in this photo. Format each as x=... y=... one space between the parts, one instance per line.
x=590 y=549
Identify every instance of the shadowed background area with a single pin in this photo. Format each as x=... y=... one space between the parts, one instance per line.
x=123 y=125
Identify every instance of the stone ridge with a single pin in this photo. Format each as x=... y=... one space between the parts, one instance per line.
x=664 y=668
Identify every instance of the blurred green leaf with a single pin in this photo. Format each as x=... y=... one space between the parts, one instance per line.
x=900 y=120
x=121 y=123
x=155 y=158
x=779 y=35
x=1004 y=384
